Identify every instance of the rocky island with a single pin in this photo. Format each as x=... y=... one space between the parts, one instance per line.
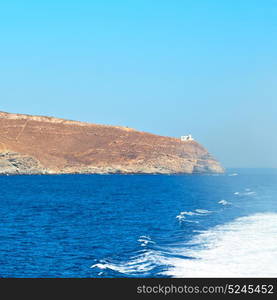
x=47 y=145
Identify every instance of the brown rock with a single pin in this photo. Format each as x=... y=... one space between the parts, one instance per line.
x=36 y=144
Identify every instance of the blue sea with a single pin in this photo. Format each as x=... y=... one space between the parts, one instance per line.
x=214 y=225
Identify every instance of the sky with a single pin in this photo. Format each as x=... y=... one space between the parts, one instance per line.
x=175 y=67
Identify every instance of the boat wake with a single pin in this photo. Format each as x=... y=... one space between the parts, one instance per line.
x=140 y=265
x=245 y=247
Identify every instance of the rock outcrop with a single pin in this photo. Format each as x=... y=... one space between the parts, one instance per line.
x=46 y=145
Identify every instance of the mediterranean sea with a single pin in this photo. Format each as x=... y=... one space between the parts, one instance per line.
x=202 y=225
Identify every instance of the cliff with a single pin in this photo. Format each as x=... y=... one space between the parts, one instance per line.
x=46 y=145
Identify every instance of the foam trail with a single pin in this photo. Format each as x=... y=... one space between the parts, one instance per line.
x=246 y=247
x=247 y=192
x=188 y=213
x=136 y=266
x=203 y=211
x=180 y=217
x=198 y=212
x=224 y=202
x=145 y=240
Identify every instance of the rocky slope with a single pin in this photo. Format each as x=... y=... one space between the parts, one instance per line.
x=45 y=145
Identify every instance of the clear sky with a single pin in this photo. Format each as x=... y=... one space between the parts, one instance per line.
x=175 y=67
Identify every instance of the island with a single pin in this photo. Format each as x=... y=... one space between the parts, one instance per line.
x=47 y=145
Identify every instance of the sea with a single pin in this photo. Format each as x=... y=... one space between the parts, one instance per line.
x=200 y=225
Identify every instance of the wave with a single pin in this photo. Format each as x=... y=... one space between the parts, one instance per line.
x=246 y=192
x=145 y=240
x=198 y=212
x=139 y=265
x=203 y=211
x=246 y=247
x=224 y=202
x=188 y=213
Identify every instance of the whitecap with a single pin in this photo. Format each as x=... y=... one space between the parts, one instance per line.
x=191 y=221
x=250 y=193
x=145 y=240
x=246 y=247
x=188 y=213
x=224 y=202
x=180 y=217
x=203 y=211
x=247 y=192
x=136 y=266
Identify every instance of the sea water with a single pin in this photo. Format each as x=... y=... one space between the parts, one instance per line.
x=213 y=225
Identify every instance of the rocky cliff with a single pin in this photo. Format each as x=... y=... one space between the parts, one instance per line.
x=46 y=145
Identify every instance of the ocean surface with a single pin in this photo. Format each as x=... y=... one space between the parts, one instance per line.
x=139 y=225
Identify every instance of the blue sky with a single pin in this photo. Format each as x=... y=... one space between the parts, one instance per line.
x=168 y=67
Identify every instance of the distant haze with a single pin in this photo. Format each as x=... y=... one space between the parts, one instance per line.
x=207 y=67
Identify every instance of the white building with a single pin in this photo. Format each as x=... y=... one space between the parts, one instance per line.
x=185 y=138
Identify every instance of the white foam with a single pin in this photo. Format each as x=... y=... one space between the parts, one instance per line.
x=224 y=202
x=180 y=218
x=247 y=192
x=250 y=193
x=191 y=221
x=198 y=212
x=246 y=247
x=145 y=240
x=137 y=265
x=203 y=211
x=189 y=213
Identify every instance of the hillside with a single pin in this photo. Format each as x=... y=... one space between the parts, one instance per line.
x=46 y=145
